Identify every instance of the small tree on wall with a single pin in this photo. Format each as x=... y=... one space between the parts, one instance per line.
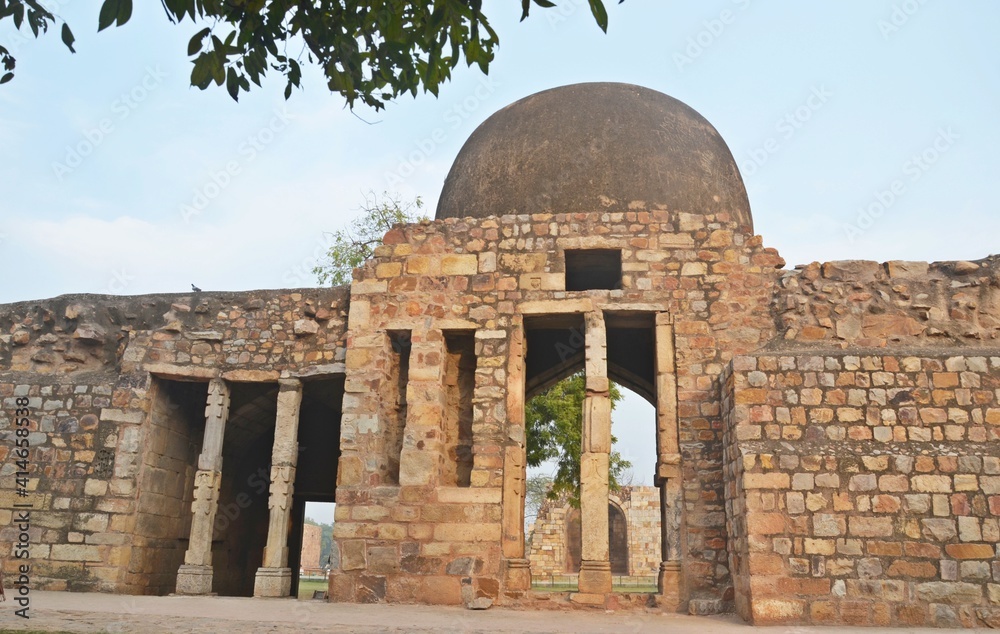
x=357 y=242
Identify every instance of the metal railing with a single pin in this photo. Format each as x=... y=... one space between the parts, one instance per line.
x=620 y=583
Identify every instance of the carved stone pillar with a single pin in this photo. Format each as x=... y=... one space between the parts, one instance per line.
x=274 y=578
x=668 y=465
x=595 y=563
x=195 y=574
x=517 y=573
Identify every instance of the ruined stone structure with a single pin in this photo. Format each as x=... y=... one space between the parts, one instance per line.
x=827 y=436
x=312 y=544
x=633 y=539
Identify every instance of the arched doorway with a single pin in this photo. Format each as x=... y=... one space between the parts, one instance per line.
x=618 y=540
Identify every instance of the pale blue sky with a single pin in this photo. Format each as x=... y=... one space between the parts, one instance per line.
x=869 y=85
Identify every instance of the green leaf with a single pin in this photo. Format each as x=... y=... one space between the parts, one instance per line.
x=600 y=14
x=6 y=78
x=114 y=12
x=67 y=37
x=124 y=11
x=201 y=74
x=194 y=46
x=218 y=68
x=233 y=84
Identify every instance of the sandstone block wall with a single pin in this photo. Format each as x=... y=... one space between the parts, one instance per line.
x=642 y=510
x=869 y=304
x=552 y=533
x=549 y=544
x=110 y=486
x=865 y=489
x=483 y=275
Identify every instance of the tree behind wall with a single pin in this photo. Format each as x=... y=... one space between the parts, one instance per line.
x=356 y=243
x=554 y=423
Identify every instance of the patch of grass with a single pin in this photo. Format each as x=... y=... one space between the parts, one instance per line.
x=308 y=586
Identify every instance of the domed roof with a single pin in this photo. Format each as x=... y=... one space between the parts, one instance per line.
x=594 y=147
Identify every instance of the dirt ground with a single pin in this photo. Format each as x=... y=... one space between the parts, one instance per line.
x=86 y=612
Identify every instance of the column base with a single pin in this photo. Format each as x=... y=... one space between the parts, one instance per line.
x=273 y=582
x=668 y=584
x=595 y=577
x=194 y=579
x=517 y=575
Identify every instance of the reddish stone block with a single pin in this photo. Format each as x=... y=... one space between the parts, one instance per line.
x=856 y=612
x=919 y=570
x=911 y=615
x=804 y=586
x=922 y=549
x=970 y=551
x=885 y=549
x=823 y=612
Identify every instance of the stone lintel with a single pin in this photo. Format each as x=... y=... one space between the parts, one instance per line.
x=557 y=306
x=251 y=376
x=180 y=372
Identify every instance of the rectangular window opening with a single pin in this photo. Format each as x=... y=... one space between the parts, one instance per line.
x=398 y=376
x=459 y=384
x=593 y=269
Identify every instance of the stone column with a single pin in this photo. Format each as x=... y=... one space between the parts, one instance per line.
x=517 y=573
x=274 y=578
x=195 y=574
x=595 y=564
x=668 y=464
x=420 y=461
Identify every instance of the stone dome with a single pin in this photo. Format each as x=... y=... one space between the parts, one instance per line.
x=594 y=147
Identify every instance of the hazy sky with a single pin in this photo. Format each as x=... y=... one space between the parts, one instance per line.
x=829 y=108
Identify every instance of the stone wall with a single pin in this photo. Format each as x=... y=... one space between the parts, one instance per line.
x=867 y=304
x=312 y=542
x=548 y=540
x=865 y=489
x=109 y=471
x=416 y=540
x=642 y=510
x=549 y=553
